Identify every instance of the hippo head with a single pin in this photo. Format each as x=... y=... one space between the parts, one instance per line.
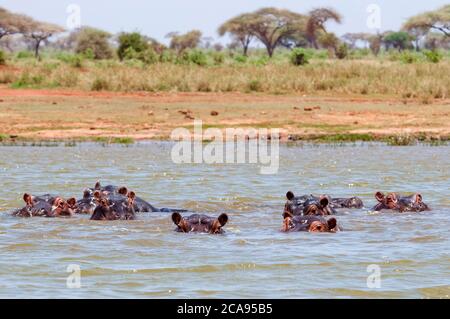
x=352 y=202
x=61 y=207
x=200 y=223
x=389 y=201
x=27 y=210
x=87 y=204
x=413 y=203
x=110 y=209
x=313 y=224
x=318 y=207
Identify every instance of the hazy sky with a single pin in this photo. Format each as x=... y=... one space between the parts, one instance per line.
x=157 y=18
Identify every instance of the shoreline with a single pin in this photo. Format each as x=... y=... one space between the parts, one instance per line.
x=40 y=115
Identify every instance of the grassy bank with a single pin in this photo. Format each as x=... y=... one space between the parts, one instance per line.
x=365 y=76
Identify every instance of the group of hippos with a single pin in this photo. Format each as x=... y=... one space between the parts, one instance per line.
x=301 y=213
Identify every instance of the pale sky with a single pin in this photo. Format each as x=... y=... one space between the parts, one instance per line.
x=157 y=18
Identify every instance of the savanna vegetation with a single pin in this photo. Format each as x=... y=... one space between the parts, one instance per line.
x=270 y=52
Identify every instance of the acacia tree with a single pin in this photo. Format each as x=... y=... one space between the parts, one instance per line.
x=437 y=20
x=271 y=26
x=240 y=30
x=11 y=23
x=317 y=19
x=39 y=32
x=182 y=42
x=352 y=38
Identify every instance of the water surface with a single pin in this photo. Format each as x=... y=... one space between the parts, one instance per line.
x=146 y=259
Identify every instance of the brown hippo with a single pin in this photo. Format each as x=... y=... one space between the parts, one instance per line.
x=114 y=206
x=199 y=223
x=397 y=202
x=313 y=224
x=46 y=206
x=308 y=205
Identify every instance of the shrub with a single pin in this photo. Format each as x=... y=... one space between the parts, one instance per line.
x=432 y=56
x=240 y=58
x=298 y=57
x=219 y=58
x=2 y=58
x=94 y=40
x=197 y=57
x=24 y=55
x=129 y=41
x=408 y=57
x=342 y=51
x=100 y=85
x=255 y=86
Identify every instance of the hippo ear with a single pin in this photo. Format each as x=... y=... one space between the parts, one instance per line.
x=290 y=195
x=223 y=219
x=332 y=223
x=97 y=195
x=379 y=196
x=28 y=199
x=418 y=198
x=324 y=201
x=176 y=218
x=123 y=191
x=98 y=186
x=131 y=197
x=72 y=201
x=86 y=194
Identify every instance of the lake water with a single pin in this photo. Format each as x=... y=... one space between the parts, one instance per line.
x=147 y=259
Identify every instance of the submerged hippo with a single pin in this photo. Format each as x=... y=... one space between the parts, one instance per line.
x=200 y=223
x=114 y=206
x=318 y=206
x=88 y=204
x=397 y=202
x=309 y=223
x=46 y=206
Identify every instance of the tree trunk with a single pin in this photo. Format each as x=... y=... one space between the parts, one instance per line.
x=245 y=50
x=270 y=50
x=36 y=49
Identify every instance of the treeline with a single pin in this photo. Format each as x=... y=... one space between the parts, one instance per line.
x=271 y=27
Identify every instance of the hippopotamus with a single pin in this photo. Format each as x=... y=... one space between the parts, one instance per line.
x=318 y=206
x=309 y=223
x=397 y=202
x=46 y=206
x=308 y=205
x=200 y=223
x=114 y=206
x=87 y=204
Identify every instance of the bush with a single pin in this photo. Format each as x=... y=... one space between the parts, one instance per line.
x=198 y=57
x=100 y=85
x=74 y=60
x=240 y=58
x=219 y=58
x=148 y=56
x=128 y=41
x=24 y=55
x=432 y=56
x=2 y=58
x=96 y=41
x=342 y=51
x=409 y=57
x=298 y=57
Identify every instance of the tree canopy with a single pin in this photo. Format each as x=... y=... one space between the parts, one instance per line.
x=317 y=19
x=438 y=20
x=239 y=28
x=271 y=25
x=181 y=42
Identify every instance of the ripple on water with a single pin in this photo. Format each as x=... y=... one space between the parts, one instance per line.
x=147 y=259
